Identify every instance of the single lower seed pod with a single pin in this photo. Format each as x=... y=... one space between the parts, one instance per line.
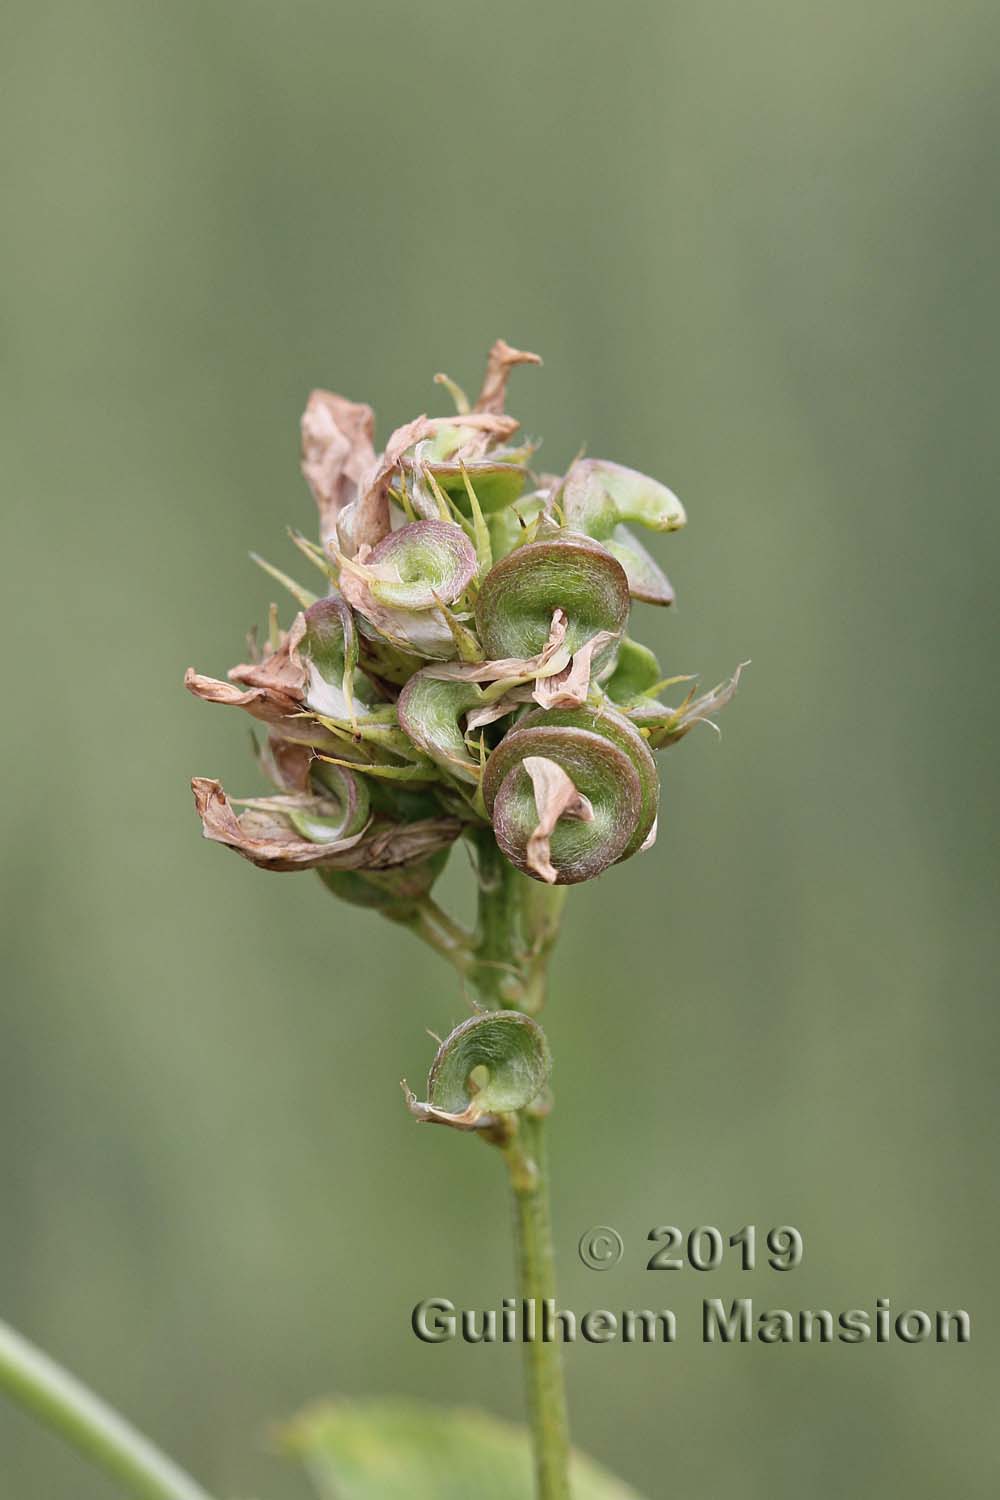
x=600 y=770
x=521 y=592
x=490 y=1065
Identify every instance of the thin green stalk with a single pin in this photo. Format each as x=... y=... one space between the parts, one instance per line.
x=546 y=1391
x=41 y=1386
x=427 y=921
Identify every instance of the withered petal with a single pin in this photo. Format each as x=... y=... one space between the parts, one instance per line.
x=555 y=797
x=571 y=687
x=499 y=363
x=337 y=452
x=266 y=840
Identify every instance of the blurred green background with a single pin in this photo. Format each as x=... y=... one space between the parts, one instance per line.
x=757 y=245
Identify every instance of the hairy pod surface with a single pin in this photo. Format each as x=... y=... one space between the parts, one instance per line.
x=615 y=728
x=599 y=769
x=420 y=565
x=429 y=712
x=490 y=1065
x=520 y=594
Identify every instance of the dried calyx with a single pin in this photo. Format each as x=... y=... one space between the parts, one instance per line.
x=461 y=663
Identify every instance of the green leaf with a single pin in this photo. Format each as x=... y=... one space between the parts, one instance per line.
x=405 y=1450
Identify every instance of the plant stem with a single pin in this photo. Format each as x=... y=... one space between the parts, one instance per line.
x=546 y=1392
x=60 y=1400
x=518 y=925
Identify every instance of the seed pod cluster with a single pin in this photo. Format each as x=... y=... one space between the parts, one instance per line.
x=461 y=663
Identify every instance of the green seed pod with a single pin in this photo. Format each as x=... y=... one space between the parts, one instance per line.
x=616 y=728
x=420 y=565
x=520 y=594
x=597 y=496
x=429 y=710
x=497 y=481
x=584 y=840
x=637 y=671
x=490 y=1065
x=646 y=579
x=402 y=586
x=330 y=649
x=343 y=807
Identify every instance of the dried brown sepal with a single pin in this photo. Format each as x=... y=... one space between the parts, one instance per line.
x=285 y=764
x=337 y=453
x=366 y=520
x=500 y=361
x=670 y=726
x=555 y=797
x=266 y=840
x=552 y=658
x=282 y=673
x=426 y=1113
x=272 y=708
x=570 y=687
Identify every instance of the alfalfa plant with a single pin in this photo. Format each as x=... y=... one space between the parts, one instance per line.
x=459 y=672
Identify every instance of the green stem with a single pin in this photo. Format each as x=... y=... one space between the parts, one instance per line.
x=518 y=921
x=52 y=1394
x=546 y=1392
x=498 y=975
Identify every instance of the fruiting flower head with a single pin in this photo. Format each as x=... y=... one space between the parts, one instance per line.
x=462 y=663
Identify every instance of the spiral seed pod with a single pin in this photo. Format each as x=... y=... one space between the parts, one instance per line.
x=402 y=585
x=597 y=497
x=490 y=1065
x=343 y=806
x=420 y=565
x=614 y=727
x=646 y=579
x=429 y=711
x=520 y=594
x=607 y=763
x=497 y=481
x=330 y=649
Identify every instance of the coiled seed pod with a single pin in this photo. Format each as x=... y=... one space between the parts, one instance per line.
x=497 y=481
x=613 y=726
x=343 y=808
x=489 y=1065
x=400 y=585
x=420 y=565
x=429 y=711
x=520 y=594
x=598 y=497
x=608 y=764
